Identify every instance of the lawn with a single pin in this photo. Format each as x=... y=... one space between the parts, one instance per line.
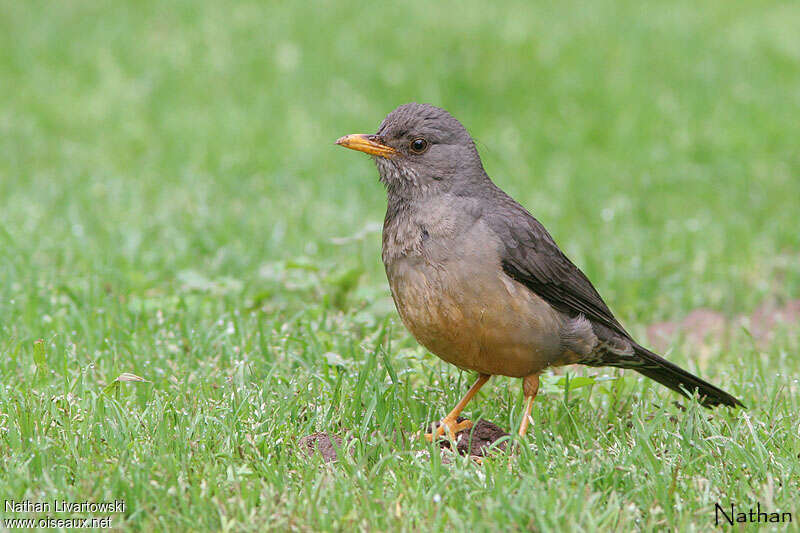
x=172 y=205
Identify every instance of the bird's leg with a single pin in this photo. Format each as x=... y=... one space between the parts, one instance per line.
x=451 y=420
x=530 y=386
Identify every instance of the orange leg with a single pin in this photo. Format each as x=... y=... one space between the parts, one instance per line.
x=450 y=421
x=530 y=386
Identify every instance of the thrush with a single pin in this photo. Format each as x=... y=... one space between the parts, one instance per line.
x=479 y=281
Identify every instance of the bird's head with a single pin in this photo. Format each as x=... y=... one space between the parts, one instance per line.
x=421 y=150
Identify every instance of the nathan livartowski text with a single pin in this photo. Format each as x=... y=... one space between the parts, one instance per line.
x=63 y=506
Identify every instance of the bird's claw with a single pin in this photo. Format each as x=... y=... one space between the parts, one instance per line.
x=453 y=428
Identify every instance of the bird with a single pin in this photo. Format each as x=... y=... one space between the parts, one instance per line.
x=479 y=281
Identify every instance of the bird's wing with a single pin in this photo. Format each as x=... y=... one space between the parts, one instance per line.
x=531 y=257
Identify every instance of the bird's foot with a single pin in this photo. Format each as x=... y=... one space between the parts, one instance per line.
x=453 y=427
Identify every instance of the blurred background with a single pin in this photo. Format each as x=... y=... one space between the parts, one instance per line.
x=172 y=204
x=658 y=143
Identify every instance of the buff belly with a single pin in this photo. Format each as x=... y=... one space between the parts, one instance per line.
x=488 y=323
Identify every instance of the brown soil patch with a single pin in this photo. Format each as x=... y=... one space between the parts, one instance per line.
x=705 y=326
x=323 y=443
x=697 y=327
x=769 y=316
x=477 y=440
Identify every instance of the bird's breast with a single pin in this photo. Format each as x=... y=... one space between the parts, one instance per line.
x=453 y=296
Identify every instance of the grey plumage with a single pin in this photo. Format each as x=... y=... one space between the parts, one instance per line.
x=478 y=280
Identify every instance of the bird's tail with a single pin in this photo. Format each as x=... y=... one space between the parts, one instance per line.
x=668 y=374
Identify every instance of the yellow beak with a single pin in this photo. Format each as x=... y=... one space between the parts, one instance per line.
x=367 y=144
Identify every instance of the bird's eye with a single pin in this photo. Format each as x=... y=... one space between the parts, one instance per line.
x=419 y=145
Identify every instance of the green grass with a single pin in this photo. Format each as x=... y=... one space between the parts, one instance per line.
x=170 y=203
